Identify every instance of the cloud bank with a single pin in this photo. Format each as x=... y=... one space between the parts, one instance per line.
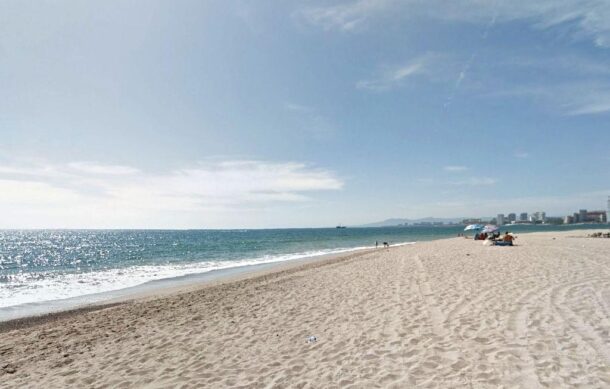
x=87 y=194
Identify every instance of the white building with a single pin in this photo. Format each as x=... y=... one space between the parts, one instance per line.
x=538 y=217
x=500 y=219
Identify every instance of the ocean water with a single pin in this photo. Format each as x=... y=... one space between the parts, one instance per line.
x=38 y=266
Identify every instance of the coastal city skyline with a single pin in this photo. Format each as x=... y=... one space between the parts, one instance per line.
x=583 y=216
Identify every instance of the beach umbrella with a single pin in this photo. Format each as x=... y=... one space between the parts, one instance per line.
x=474 y=227
x=490 y=229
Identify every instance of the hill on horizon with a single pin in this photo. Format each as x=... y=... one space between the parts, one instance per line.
x=398 y=221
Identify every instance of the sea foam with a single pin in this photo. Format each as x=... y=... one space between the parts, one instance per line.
x=27 y=288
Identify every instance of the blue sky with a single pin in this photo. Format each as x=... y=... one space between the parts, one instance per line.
x=220 y=114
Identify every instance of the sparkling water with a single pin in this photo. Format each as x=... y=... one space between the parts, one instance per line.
x=46 y=265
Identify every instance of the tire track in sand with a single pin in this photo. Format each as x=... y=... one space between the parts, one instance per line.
x=582 y=329
x=435 y=315
x=518 y=324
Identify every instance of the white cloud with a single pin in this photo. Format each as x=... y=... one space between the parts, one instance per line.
x=348 y=16
x=128 y=195
x=33 y=193
x=455 y=168
x=586 y=19
x=396 y=76
x=521 y=154
x=405 y=71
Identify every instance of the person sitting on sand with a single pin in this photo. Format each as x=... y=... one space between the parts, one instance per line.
x=507 y=240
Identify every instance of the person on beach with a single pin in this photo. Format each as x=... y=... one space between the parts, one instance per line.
x=376 y=244
x=508 y=238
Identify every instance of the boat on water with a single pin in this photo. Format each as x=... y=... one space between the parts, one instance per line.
x=340 y=226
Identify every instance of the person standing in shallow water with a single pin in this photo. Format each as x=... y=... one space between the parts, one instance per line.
x=376 y=244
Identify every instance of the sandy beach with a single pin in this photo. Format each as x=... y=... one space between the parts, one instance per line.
x=448 y=313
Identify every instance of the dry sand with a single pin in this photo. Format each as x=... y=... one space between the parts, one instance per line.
x=450 y=313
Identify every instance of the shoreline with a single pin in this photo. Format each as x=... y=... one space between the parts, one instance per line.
x=166 y=286
x=172 y=290
x=31 y=304
x=450 y=313
x=171 y=286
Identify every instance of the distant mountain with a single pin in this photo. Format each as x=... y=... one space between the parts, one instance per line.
x=399 y=221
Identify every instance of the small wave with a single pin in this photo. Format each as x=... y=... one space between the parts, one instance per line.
x=25 y=288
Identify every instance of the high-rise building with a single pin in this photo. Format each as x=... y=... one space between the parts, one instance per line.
x=500 y=219
x=523 y=217
x=596 y=216
x=608 y=211
x=568 y=219
x=538 y=217
x=582 y=216
x=576 y=217
x=512 y=217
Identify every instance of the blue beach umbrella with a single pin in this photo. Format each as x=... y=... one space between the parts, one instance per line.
x=474 y=227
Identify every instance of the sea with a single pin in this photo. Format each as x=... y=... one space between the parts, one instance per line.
x=47 y=270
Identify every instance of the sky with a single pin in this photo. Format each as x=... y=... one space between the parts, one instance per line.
x=240 y=114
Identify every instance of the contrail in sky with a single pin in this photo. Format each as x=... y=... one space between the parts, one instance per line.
x=468 y=64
